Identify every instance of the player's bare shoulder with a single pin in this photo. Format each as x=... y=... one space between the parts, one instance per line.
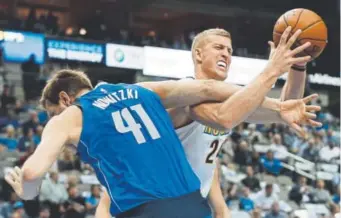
x=72 y=119
x=180 y=116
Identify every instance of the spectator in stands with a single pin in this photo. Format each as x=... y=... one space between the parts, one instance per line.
x=320 y=195
x=9 y=140
x=245 y=202
x=27 y=140
x=19 y=208
x=335 y=209
x=52 y=23
x=300 y=192
x=336 y=197
x=278 y=147
x=69 y=161
x=275 y=212
x=327 y=153
x=242 y=155
x=265 y=199
x=300 y=144
x=37 y=135
x=53 y=194
x=9 y=207
x=319 y=139
x=44 y=212
x=270 y=164
x=256 y=213
x=16 y=214
x=231 y=194
x=92 y=201
x=29 y=151
x=30 y=76
x=31 y=20
x=251 y=181
x=254 y=135
x=310 y=153
x=33 y=121
x=6 y=100
x=75 y=205
x=19 y=107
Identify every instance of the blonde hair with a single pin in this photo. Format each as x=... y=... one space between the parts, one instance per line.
x=201 y=37
x=69 y=81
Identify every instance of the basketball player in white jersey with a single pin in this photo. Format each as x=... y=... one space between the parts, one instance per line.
x=211 y=52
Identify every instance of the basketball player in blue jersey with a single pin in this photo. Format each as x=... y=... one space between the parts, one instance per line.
x=124 y=132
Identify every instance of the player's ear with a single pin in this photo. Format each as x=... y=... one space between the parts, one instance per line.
x=198 y=55
x=64 y=98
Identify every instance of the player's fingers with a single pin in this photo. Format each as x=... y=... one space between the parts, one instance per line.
x=11 y=176
x=299 y=49
x=9 y=179
x=300 y=59
x=17 y=171
x=313 y=123
x=272 y=45
x=310 y=115
x=284 y=36
x=299 y=130
x=312 y=108
x=310 y=98
x=293 y=38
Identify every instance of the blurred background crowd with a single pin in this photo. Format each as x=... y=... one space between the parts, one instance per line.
x=265 y=170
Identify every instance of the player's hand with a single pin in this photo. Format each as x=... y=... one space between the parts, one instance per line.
x=282 y=57
x=296 y=113
x=14 y=178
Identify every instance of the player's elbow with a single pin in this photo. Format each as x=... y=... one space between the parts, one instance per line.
x=225 y=123
x=30 y=174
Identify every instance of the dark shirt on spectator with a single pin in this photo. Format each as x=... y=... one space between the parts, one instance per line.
x=252 y=183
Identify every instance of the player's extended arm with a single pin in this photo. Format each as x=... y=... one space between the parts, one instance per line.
x=55 y=136
x=294 y=86
x=103 y=208
x=216 y=199
x=240 y=105
x=183 y=93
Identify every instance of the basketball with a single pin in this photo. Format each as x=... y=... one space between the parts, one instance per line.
x=313 y=28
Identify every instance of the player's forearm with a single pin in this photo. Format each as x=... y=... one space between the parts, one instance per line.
x=244 y=102
x=103 y=208
x=294 y=86
x=33 y=169
x=216 y=199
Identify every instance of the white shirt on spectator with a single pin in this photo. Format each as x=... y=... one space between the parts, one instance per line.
x=264 y=202
x=326 y=153
x=53 y=192
x=280 y=151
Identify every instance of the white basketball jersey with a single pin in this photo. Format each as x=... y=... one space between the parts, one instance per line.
x=202 y=145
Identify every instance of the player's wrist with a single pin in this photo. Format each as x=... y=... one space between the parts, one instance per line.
x=299 y=67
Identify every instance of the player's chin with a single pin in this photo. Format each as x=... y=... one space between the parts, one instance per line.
x=221 y=74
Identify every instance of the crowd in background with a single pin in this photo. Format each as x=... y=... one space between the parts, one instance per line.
x=70 y=190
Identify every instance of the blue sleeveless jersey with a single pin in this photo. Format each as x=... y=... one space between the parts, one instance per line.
x=129 y=139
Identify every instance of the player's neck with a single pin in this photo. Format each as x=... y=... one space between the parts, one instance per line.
x=199 y=74
x=82 y=92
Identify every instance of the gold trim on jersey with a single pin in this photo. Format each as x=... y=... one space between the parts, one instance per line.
x=215 y=132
